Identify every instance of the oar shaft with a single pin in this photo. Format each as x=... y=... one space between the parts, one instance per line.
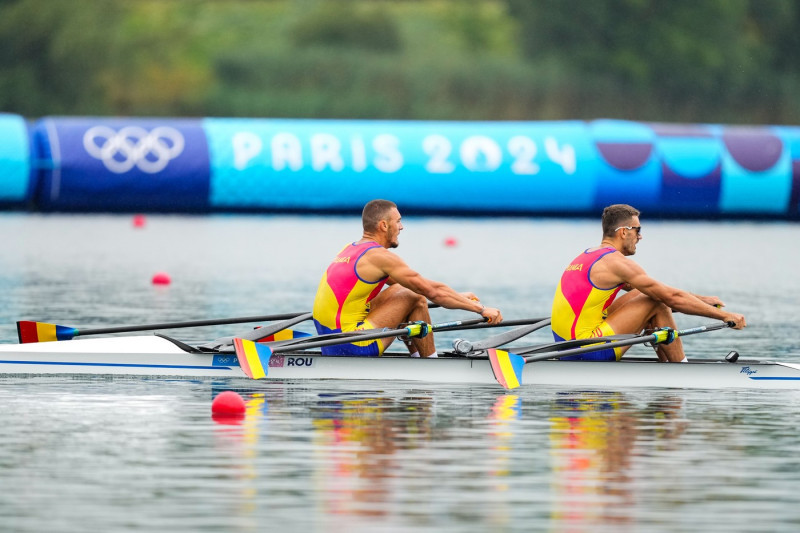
x=344 y=338
x=188 y=324
x=563 y=345
x=197 y=323
x=483 y=324
x=653 y=337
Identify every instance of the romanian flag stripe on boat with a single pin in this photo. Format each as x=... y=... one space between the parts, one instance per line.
x=30 y=331
x=253 y=358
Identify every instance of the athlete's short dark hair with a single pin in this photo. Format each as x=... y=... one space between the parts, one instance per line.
x=615 y=216
x=374 y=212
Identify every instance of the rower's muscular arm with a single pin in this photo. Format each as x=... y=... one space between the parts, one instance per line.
x=677 y=299
x=389 y=264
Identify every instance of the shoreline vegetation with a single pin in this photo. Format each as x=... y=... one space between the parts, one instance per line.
x=726 y=61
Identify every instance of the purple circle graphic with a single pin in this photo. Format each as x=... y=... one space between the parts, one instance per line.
x=625 y=156
x=754 y=150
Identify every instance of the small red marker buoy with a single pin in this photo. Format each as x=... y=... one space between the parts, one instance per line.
x=450 y=242
x=228 y=404
x=139 y=221
x=161 y=278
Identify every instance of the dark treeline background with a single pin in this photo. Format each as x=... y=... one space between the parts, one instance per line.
x=725 y=61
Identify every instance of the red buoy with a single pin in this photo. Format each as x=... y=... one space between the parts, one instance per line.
x=228 y=403
x=161 y=278
x=450 y=242
x=139 y=221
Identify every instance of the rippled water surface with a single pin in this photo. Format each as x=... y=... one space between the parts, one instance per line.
x=98 y=454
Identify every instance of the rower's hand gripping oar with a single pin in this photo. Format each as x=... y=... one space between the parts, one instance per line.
x=30 y=331
x=254 y=357
x=507 y=367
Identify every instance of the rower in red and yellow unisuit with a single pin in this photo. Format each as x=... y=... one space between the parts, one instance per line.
x=342 y=301
x=580 y=308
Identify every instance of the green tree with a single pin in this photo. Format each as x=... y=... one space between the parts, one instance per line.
x=51 y=54
x=692 y=59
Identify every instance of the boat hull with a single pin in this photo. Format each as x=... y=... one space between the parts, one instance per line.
x=157 y=357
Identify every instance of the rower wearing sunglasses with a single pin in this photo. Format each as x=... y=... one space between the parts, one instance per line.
x=586 y=305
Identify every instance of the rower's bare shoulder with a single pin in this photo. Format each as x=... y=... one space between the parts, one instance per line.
x=618 y=268
x=383 y=259
x=377 y=254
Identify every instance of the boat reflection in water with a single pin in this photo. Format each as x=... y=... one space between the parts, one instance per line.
x=594 y=437
x=374 y=455
x=357 y=438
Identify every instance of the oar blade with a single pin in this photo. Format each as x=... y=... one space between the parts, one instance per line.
x=253 y=357
x=507 y=367
x=29 y=331
x=284 y=335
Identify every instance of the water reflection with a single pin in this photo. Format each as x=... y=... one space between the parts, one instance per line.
x=359 y=444
x=594 y=438
x=576 y=461
x=356 y=439
x=503 y=416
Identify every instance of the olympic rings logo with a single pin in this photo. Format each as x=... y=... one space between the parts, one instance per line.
x=133 y=146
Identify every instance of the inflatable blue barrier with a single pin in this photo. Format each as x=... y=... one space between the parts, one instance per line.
x=424 y=166
x=471 y=168
x=16 y=181
x=505 y=167
x=113 y=164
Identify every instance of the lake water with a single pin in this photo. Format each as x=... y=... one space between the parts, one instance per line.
x=81 y=454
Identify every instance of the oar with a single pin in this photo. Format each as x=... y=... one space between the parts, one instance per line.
x=274 y=333
x=29 y=331
x=507 y=367
x=463 y=347
x=291 y=337
x=254 y=357
x=563 y=345
x=504 y=323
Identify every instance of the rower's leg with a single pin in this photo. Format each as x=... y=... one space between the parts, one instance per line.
x=672 y=352
x=636 y=311
x=395 y=305
x=424 y=345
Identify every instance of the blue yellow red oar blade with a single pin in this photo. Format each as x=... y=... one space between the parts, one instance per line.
x=30 y=331
x=507 y=367
x=253 y=357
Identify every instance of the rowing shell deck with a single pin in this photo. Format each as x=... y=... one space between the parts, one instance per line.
x=158 y=357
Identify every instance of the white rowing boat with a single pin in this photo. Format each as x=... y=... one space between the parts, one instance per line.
x=159 y=357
